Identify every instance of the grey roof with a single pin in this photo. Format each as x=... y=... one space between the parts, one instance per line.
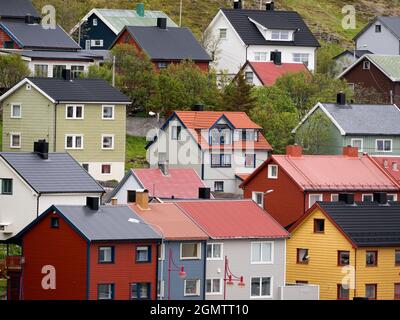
x=17 y=9
x=168 y=44
x=35 y=36
x=108 y=223
x=57 y=55
x=61 y=173
x=359 y=53
x=366 y=119
x=80 y=90
x=367 y=224
x=286 y=20
x=392 y=23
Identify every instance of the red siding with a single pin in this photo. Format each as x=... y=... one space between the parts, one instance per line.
x=123 y=271
x=62 y=248
x=5 y=37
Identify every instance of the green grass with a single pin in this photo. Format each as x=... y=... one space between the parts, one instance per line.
x=135 y=152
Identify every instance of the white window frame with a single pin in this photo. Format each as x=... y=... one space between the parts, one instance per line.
x=12 y=110
x=191 y=258
x=261 y=243
x=280 y=34
x=107 y=136
x=212 y=251
x=197 y=294
x=226 y=33
x=74 y=106
x=95 y=22
x=364 y=195
x=270 y=176
x=366 y=65
x=384 y=140
x=261 y=56
x=93 y=43
x=271 y=287
x=220 y=287
x=74 y=136
x=334 y=194
x=301 y=58
x=254 y=197
x=321 y=197
x=11 y=140
x=394 y=196
x=362 y=143
x=108 y=106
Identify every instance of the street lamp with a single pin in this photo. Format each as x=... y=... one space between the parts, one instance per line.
x=230 y=278
x=172 y=267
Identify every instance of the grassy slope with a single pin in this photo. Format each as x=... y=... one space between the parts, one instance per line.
x=135 y=152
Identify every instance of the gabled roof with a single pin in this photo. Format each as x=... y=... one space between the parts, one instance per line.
x=34 y=36
x=233 y=219
x=171 y=222
x=250 y=35
x=17 y=9
x=390 y=164
x=58 y=55
x=359 y=53
x=392 y=23
x=59 y=174
x=269 y=72
x=167 y=44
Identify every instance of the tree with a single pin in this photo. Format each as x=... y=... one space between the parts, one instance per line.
x=12 y=70
x=369 y=95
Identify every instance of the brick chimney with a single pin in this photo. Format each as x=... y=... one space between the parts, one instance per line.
x=350 y=151
x=294 y=151
x=142 y=199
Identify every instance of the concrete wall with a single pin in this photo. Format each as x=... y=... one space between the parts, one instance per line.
x=299 y=292
x=140 y=127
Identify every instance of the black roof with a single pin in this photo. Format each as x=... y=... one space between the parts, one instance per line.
x=367 y=224
x=17 y=9
x=80 y=90
x=168 y=44
x=282 y=20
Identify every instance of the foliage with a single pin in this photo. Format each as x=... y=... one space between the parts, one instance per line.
x=369 y=95
x=12 y=70
x=135 y=152
x=325 y=64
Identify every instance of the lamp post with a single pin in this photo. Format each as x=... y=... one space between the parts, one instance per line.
x=172 y=267
x=230 y=278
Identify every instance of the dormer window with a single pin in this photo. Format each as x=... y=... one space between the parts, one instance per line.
x=248 y=135
x=280 y=35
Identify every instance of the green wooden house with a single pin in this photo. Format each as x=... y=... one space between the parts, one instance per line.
x=84 y=117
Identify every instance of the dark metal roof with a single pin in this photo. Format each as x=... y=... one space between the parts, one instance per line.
x=17 y=9
x=35 y=36
x=367 y=224
x=61 y=173
x=282 y=20
x=168 y=44
x=359 y=53
x=80 y=90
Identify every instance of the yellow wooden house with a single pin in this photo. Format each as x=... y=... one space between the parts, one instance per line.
x=351 y=250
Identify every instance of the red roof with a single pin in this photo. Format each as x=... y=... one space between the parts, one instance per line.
x=390 y=164
x=229 y=219
x=179 y=183
x=269 y=72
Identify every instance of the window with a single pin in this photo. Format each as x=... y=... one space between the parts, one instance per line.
x=248 y=135
x=352 y=86
x=15 y=140
x=54 y=223
x=162 y=65
x=378 y=28
x=6 y=186
x=370 y=291
x=343 y=258
x=272 y=171
x=105 y=291
x=397 y=291
x=87 y=45
x=261 y=252
x=395 y=166
x=106 y=255
x=95 y=22
x=41 y=70
x=16 y=111
x=58 y=71
x=192 y=287
x=383 y=145
x=214 y=251
x=250 y=161
x=77 y=72
x=106 y=169
x=301 y=282
x=319 y=225
x=222 y=33
x=335 y=197
x=74 y=112
x=302 y=256
x=108 y=113
x=190 y=251
x=367 y=197
x=73 y=142
x=8 y=44
x=249 y=77
x=176 y=132
x=96 y=43
x=258 y=197
x=313 y=198
x=140 y=291
x=302 y=58
x=357 y=143
x=213 y=286
x=371 y=258
x=342 y=292
x=85 y=166
x=260 y=56
x=366 y=65
x=397 y=258
x=143 y=254
x=107 y=142
x=280 y=35
x=219 y=186
x=392 y=197
x=131 y=196
x=261 y=287
x=220 y=160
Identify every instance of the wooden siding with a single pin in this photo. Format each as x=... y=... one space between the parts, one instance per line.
x=369 y=144
x=5 y=37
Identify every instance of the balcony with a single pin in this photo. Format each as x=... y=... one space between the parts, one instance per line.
x=14 y=263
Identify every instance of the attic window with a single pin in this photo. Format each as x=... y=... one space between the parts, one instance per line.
x=366 y=65
x=222 y=33
x=95 y=22
x=55 y=223
x=28 y=87
x=280 y=35
x=378 y=28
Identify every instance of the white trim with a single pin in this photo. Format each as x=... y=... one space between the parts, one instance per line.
x=362 y=143
x=334 y=194
x=21 y=83
x=271 y=287
x=74 y=135
x=394 y=196
x=220 y=287
x=270 y=176
x=261 y=243
x=12 y=109
x=212 y=251
x=101 y=169
x=367 y=195
x=384 y=140
x=191 y=258
x=161 y=286
x=20 y=140
x=254 y=198
x=74 y=106
x=108 y=136
x=321 y=196
x=108 y=106
x=197 y=294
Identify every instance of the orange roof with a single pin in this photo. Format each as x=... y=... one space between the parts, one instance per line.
x=172 y=222
x=269 y=72
x=242 y=176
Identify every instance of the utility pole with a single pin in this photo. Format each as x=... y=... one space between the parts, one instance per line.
x=180 y=13
x=113 y=72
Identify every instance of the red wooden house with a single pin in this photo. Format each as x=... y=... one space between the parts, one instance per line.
x=88 y=253
x=286 y=186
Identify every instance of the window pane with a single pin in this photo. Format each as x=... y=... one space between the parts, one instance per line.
x=397 y=257
x=142 y=254
x=209 y=251
x=209 y=285
x=266 y=252
x=255 y=287
x=216 y=285
x=144 y=291
x=16 y=140
x=134 y=291
x=388 y=145
x=191 y=287
x=256 y=252
x=107 y=112
x=189 y=250
x=16 y=111
x=69 y=142
x=266 y=287
x=70 y=112
x=217 y=251
x=105 y=169
x=105 y=291
x=370 y=291
x=78 y=142
x=379 y=145
x=6 y=186
x=79 y=112
x=107 y=142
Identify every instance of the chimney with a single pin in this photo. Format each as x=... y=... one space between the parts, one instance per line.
x=93 y=203
x=140 y=9
x=198 y=107
x=347 y=198
x=29 y=19
x=66 y=75
x=276 y=57
x=341 y=99
x=114 y=201
x=162 y=23
x=163 y=166
x=237 y=4
x=270 y=6
x=204 y=193
x=41 y=147
x=142 y=199
x=380 y=197
x=350 y=151
x=294 y=151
